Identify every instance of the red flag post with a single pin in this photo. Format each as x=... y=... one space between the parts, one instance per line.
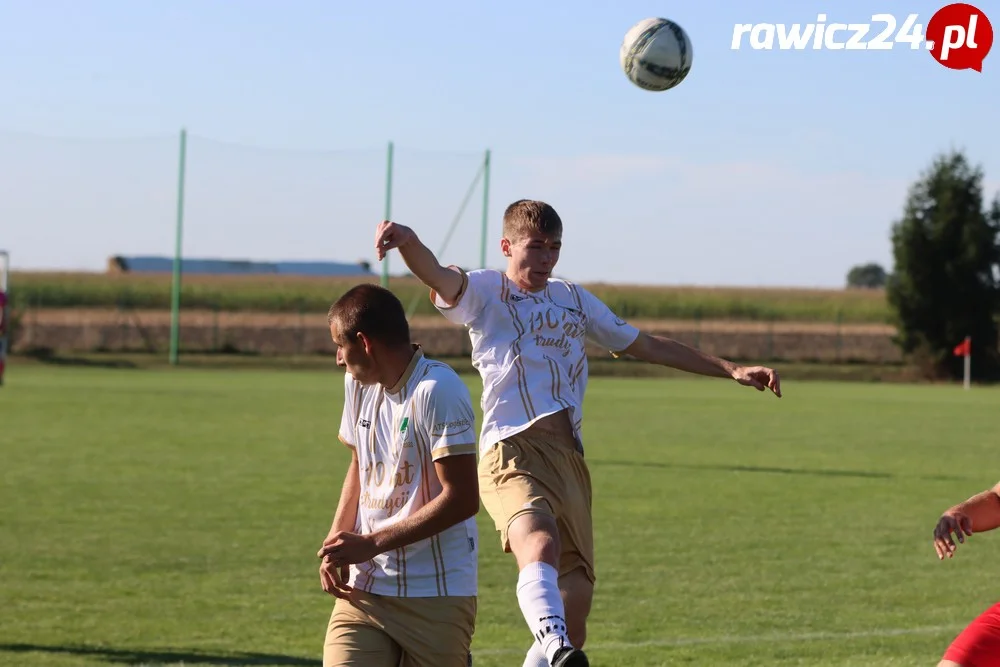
x=964 y=349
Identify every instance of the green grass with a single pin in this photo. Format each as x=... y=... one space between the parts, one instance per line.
x=172 y=516
x=296 y=294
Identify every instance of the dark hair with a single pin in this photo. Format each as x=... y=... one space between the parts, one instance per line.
x=529 y=216
x=373 y=311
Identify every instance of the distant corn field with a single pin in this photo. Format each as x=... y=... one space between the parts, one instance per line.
x=291 y=294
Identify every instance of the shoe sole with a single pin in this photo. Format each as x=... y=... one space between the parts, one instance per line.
x=576 y=659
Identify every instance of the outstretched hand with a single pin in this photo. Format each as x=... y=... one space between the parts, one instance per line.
x=389 y=235
x=760 y=378
x=951 y=522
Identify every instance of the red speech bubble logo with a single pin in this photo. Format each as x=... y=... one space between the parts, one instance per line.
x=960 y=36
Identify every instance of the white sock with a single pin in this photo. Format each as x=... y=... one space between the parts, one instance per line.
x=536 y=657
x=542 y=606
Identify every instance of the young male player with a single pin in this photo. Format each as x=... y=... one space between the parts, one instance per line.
x=401 y=555
x=528 y=335
x=979 y=644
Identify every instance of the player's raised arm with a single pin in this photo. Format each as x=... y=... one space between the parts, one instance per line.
x=675 y=354
x=446 y=282
x=978 y=514
x=605 y=327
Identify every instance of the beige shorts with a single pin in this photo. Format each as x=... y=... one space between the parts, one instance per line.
x=380 y=631
x=529 y=473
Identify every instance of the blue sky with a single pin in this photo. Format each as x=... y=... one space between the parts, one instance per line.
x=761 y=168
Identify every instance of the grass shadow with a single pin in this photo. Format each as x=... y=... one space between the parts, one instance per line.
x=773 y=470
x=48 y=356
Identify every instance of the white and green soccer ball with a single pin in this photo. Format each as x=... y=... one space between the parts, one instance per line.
x=656 y=54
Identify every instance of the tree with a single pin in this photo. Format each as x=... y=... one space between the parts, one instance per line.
x=946 y=282
x=868 y=276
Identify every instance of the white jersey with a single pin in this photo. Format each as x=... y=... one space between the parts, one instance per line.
x=530 y=347
x=398 y=433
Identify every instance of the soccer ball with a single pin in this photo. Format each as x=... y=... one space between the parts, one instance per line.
x=656 y=54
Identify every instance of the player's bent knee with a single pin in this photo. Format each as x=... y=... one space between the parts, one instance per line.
x=538 y=547
x=534 y=537
x=949 y=663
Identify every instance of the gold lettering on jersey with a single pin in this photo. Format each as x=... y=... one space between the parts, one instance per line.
x=562 y=343
x=377 y=477
x=546 y=324
x=390 y=505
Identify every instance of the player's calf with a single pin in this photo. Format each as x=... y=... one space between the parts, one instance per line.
x=542 y=607
x=534 y=540
x=578 y=594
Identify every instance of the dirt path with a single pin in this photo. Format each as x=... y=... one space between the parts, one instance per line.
x=195 y=318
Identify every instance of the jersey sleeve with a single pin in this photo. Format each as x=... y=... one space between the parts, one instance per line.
x=604 y=326
x=349 y=416
x=448 y=419
x=471 y=300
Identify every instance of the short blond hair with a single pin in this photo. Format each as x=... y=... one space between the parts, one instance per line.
x=528 y=216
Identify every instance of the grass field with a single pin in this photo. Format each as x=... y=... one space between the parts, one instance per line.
x=292 y=294
x=167 y=517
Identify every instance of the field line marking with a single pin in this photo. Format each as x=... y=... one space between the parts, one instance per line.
x=741 y=639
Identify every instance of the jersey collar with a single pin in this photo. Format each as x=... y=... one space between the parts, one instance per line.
x=418 y=354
